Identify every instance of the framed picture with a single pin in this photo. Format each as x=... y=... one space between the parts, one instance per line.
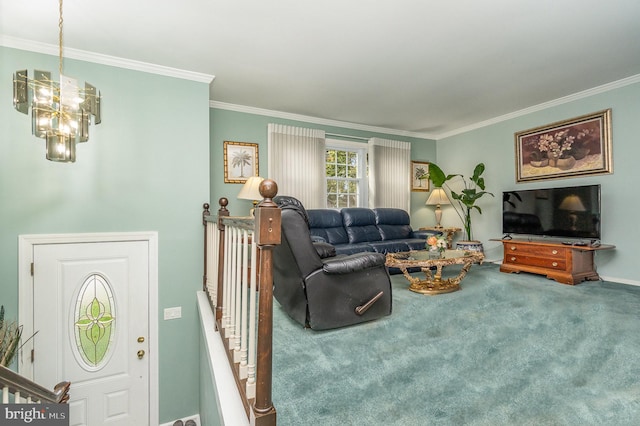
x=240 y=161
x=419 y=176
x=576 y=147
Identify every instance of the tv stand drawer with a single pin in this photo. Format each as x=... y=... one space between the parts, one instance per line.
x=550 y=263
x=528 y=249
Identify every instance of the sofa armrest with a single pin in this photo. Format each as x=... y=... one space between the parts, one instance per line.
x=426 y=233
x=353 y=263
x=324 y=250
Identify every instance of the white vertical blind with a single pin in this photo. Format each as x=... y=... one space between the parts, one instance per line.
x=296 y=163
x=389 y=173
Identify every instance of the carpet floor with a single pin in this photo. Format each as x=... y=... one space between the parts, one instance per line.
x=507 y=349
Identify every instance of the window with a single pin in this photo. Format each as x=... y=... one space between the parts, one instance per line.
x=346 y=177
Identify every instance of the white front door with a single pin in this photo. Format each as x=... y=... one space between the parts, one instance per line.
x=91 y=314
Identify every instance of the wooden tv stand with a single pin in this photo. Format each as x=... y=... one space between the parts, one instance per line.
x=567 y=264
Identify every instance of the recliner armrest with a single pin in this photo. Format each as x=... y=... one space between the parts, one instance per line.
x=324 y=250
x=352 y=263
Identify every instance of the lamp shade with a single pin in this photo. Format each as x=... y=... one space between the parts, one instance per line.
x=251 y=189
x=572 y=203
x=437 y=197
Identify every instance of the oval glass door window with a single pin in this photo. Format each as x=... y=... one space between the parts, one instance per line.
x=94 y=323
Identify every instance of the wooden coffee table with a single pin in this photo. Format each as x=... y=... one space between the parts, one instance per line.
x=434 y=284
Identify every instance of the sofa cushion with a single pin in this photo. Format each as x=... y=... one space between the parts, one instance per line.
x=394 y=224
x=360 y=224
x=353 y=248
x=327 y=224
x=390 y=246
x=416 y=243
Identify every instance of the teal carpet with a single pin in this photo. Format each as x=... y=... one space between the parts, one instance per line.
x=504 y=350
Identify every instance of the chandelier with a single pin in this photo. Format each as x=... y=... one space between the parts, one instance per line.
x=61 y=111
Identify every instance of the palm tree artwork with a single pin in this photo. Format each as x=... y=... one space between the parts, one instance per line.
x=241 y=159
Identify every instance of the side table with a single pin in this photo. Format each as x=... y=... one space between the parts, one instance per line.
x=447 y=232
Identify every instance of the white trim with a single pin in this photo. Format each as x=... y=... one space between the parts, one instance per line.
x=229 y=403
x=26 y=245
x=620 y=280
x=566 y=99
x=315 y=120
x=114 y=61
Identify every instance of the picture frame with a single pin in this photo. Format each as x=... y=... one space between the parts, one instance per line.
x=419 y=176
x=570 y=148
x=240 y=161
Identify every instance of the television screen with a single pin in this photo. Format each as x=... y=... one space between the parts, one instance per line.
x=555 y=212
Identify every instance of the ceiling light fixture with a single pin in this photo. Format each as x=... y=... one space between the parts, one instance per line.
x=60 y=111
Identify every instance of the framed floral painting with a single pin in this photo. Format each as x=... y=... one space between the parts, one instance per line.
x=576 y=147
x=240 y=161
x=419 y=176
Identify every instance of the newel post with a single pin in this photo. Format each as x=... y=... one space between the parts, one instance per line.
x=267 y=234
x=222 y=212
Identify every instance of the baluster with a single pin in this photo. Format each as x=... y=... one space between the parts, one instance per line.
x=232 y=288
x=226 y=277
x=253 y=291
x=245 y=289
x=238 y=297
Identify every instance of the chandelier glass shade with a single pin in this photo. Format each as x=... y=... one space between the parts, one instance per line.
x=61 y=111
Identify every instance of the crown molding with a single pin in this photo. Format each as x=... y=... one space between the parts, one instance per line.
x=316 y=120
x=82 y=55
x=566 y=99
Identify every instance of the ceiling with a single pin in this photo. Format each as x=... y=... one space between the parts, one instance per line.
x=418 y=66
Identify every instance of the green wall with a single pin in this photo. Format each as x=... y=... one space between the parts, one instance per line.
x=236 y=126
x=494 y=145
x=145 y=168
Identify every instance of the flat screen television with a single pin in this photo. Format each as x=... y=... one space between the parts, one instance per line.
x=572 y=211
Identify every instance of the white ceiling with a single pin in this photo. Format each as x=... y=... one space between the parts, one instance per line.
x=419 y=66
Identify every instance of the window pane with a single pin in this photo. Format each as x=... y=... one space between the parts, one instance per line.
x=331 y=201
x=353 y=158
x=342 y=171
x=332 y=186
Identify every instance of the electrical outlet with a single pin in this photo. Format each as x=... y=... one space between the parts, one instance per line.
x=173 y=313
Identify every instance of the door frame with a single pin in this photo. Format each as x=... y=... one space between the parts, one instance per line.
x=26 y=245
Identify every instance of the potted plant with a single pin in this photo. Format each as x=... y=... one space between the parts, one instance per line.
x=464 y=202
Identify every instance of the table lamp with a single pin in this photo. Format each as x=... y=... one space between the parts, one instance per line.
x=437 y=197
x=251 y=191
x=573 y=204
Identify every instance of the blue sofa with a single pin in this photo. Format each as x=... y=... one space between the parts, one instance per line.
x=354 y=230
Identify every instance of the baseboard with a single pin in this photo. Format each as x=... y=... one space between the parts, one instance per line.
x=195 y=418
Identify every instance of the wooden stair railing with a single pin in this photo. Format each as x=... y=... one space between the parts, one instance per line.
x=238 y=280
x=25 y=390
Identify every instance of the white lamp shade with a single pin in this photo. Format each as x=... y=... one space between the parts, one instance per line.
x=251 y=189
x=437 y=197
